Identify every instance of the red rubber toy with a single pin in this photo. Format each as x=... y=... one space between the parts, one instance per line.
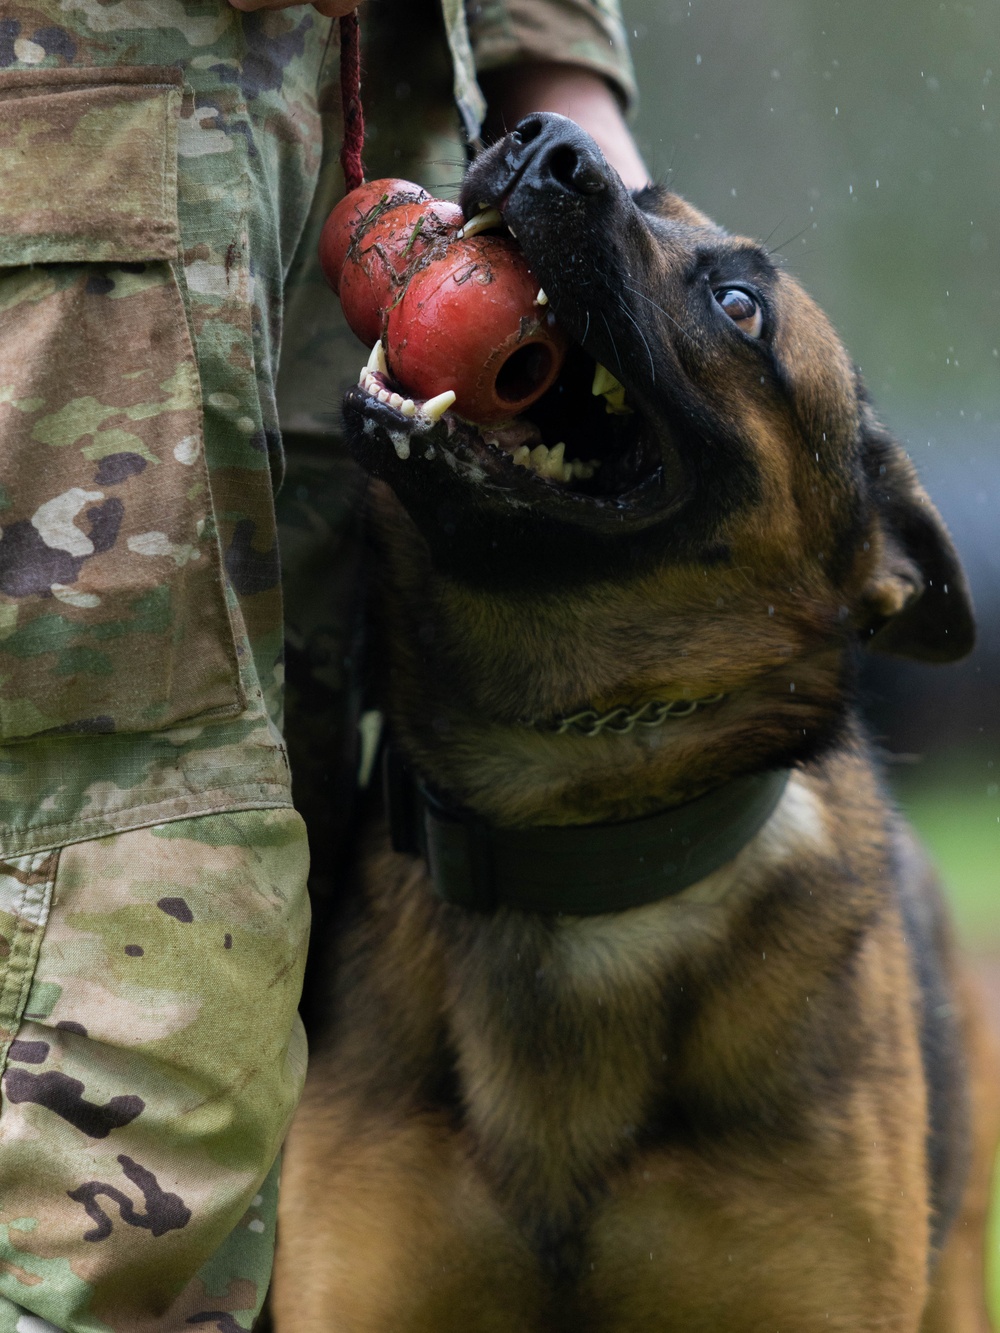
x=453 y=313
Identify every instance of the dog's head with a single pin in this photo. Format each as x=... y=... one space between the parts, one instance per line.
x=739 y=514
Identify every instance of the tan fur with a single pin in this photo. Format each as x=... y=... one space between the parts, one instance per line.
x=396 y=1219
x=957 y=1300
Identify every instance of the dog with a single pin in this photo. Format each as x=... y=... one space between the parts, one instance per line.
x=645 y=1016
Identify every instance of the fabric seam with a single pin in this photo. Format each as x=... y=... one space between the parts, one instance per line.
x=53 y=837
x=23 y=969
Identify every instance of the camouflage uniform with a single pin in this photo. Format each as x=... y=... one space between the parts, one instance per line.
x=164 y=168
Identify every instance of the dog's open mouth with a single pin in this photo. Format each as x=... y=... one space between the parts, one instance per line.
x=585 y=442
x=581 y=438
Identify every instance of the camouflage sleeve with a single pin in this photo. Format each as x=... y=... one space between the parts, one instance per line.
x=589 y=33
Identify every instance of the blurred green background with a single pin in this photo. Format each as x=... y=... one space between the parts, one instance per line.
x=862 y=140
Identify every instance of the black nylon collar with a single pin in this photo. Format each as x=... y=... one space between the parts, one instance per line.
x=578 y=870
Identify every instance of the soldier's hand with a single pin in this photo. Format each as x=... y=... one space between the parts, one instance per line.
x=331 y=9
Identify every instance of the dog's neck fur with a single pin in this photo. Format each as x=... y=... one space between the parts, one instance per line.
x=465 y=675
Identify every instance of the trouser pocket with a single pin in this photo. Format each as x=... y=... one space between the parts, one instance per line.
x=113 y=614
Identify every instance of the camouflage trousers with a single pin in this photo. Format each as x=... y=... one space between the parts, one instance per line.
x=147 y=1012
x=157 y=168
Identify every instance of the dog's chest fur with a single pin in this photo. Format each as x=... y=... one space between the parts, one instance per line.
x=576 y=1047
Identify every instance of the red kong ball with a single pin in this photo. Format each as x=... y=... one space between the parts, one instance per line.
x=359 y=211
x=455 y=314
x=372 y=239
x=468 y=322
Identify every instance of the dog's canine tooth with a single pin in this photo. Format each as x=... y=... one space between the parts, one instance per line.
x=604 y=381
x=611 y=390
x=408 y=407
x=489 y=217
x=553 y=467
x=376 y=359
x=521 y=456
x=435 y=408
x=541 y=298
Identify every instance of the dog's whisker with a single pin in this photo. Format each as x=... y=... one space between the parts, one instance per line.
x=628 y=314
x=781 y=245
x=773 y=230
x=614 y=345
x=666 y=313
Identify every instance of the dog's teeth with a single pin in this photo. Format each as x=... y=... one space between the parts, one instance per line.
x=489 y=217
x=567 y=472
x=541 y=298
x=408 y=407
x=435 y=408
x=556 y=454
x=539 y=456
x=521 y=456
x=604 y=381
x=401 y=445
x=376 y=361
x=396 y=400
x=611 y=390
x=384 y=395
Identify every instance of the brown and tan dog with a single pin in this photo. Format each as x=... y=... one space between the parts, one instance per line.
x=738 y=1101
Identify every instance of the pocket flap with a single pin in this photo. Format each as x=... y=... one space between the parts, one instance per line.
x=88 y=165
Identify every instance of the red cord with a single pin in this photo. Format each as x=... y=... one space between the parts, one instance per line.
x=350 y=93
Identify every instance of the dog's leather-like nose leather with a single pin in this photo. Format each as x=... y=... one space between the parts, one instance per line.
x=550 y=150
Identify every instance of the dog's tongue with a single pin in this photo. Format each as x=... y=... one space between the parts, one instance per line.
x=511 y=435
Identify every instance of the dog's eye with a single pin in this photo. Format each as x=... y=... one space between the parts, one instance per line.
x=742 y=308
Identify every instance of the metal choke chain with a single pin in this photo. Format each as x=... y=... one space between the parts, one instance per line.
x=621 y=720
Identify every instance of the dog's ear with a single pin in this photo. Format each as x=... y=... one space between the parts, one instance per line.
x=916 y=602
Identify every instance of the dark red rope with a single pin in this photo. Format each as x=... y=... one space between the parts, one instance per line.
x=350 y=94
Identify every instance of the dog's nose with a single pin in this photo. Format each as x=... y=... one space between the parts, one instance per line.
x=558 y=152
